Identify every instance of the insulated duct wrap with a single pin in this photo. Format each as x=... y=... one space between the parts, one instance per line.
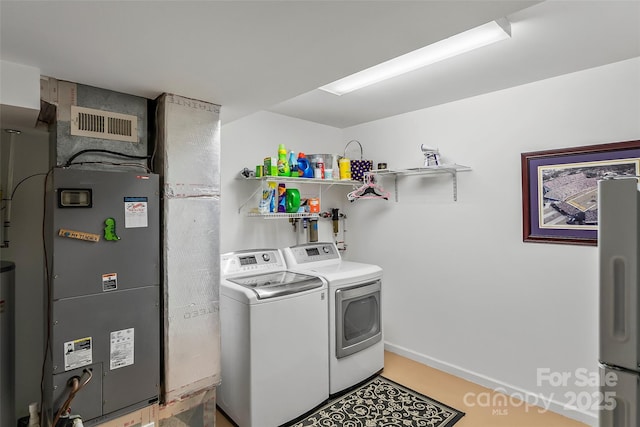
x=189 y=150
x=188 y=158
x=192 y=328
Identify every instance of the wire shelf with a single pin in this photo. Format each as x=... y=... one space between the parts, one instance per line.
x=280 y=215
x=451 y=169
x=293 y=179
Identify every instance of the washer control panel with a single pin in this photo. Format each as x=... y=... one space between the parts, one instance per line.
x=312 y=252
x=252 y=261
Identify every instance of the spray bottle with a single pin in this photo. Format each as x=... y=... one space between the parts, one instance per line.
x=293 y=164
x=273 y=197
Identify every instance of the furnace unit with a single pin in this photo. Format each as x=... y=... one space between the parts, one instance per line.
x=103 y=300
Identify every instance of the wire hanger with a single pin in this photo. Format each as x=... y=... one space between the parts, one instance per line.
x=368 y=190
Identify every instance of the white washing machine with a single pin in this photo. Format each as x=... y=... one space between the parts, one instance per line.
x=356 y=348
x=274 y=363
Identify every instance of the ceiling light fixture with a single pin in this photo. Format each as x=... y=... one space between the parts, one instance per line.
x=474 y=38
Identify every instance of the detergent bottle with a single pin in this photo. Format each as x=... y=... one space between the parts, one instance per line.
x=282 y=197
x=283 y=163
x=304 y=167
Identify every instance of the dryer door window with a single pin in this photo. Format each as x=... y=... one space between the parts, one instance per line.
x=358 y=319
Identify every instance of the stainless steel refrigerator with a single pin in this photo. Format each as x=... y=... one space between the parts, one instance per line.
x=619 y=253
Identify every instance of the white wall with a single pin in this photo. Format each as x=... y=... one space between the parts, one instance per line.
x=462 y=292
x=245 y=143
x=20 y=85
x=19 y=94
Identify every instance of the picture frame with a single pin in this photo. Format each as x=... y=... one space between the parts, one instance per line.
x=559 y=190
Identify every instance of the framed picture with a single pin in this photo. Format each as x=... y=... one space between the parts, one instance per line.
x=560 y=190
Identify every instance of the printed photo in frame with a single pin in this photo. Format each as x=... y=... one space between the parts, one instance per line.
x=559 y=190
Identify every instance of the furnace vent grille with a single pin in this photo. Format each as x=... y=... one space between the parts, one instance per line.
x=103 y=124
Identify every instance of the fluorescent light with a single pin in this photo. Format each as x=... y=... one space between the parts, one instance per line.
x=455 y=45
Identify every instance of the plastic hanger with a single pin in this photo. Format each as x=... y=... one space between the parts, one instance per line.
x=369 y=190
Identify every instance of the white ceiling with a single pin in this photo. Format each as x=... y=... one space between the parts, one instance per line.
x=271 y=55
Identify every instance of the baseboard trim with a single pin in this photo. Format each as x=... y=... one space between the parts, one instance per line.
x=493 y=384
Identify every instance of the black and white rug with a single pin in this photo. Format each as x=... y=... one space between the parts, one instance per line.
x=382 y=402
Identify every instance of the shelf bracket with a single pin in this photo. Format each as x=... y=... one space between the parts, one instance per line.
x=454 y=178
x=395 y=186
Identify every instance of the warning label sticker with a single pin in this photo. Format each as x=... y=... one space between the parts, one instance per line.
x=135 y=212
x=121 y=349
x=78 y=353
x=109 y=281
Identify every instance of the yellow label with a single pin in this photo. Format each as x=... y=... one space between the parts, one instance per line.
x=344 y=166
x=80 y=235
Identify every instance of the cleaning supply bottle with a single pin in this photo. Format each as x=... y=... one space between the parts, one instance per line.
x=283 y=163
x=344 y=167
x=273 y=197
x=293 y=164
x=304 y=167
x=282 y=197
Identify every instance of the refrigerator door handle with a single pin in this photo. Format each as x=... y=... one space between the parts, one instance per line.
x=619 y=391
x=620 y=299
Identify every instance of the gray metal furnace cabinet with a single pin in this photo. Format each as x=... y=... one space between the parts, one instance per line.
x=103 y=261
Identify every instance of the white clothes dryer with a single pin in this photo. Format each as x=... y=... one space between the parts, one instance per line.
x=356 y=348
x=274 y=340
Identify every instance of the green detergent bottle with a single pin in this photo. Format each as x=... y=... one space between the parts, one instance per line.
x=283 y=163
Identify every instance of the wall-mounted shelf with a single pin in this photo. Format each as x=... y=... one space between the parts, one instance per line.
x=450 y=169
x=281 y=215
x=321 y=183
x=290 y=179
